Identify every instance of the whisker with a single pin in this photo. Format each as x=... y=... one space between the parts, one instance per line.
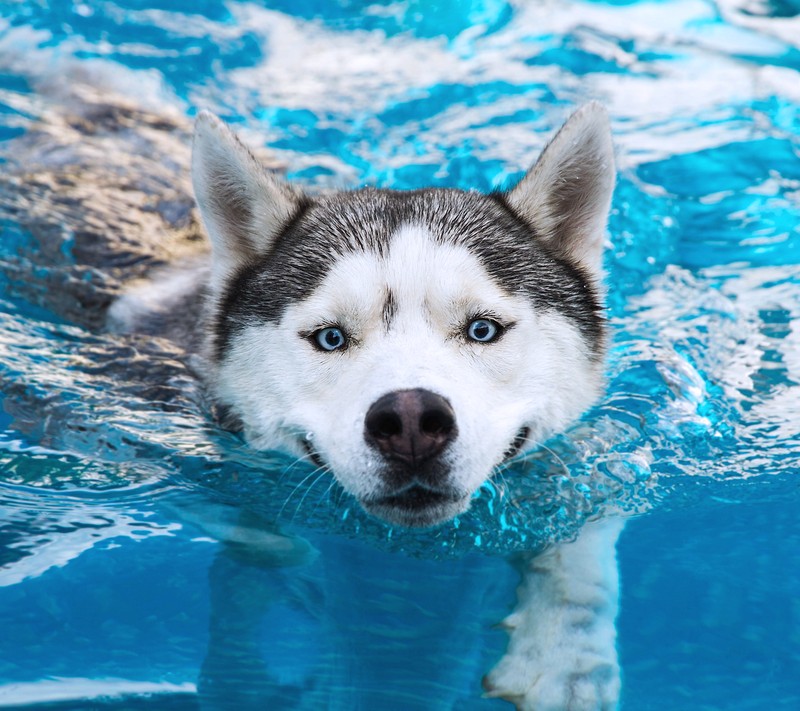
x=501 y=475
x=557 y=458
x=316 y=472
x=304 y=458
x=501 y=469
x=339 y=494
x=324 y=494
x=322 y=472
x=500 y=483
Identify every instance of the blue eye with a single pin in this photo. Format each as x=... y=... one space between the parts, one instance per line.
x=484 y=330
x=330 y=339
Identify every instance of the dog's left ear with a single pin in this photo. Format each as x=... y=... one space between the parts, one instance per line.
x=244 y=207
x=566 y=195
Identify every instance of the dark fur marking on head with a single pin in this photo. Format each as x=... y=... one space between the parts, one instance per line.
x=222 y=326
x=327 y=228
x=585 y=304
x=389 y=309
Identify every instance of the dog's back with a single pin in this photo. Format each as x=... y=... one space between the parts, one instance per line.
x=99 y=188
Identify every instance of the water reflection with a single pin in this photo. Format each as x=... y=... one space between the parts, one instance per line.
x=355 y=628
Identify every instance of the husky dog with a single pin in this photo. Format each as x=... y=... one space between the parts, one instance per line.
x=410 y=342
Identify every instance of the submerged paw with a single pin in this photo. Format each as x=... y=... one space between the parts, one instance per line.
x=553 y=690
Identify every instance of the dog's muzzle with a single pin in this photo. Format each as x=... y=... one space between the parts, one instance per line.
x=411 y=430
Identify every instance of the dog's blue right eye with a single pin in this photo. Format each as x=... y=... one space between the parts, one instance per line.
x=484 y=330
x=330 y=339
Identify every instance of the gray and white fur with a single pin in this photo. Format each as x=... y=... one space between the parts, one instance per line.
x=410 y=342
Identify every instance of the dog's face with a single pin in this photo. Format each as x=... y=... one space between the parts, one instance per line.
x=408 y=341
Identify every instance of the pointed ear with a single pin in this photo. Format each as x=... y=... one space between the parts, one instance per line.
x=243 y=207
x=566 y=195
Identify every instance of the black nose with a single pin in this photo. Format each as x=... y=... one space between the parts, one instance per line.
x=412 y=426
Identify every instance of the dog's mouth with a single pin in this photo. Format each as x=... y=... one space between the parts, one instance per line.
x=417 y=506
x=312 y=453
x=517 y=444
x=415 y=498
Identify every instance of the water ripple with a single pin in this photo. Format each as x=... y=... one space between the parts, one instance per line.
x=704 y=293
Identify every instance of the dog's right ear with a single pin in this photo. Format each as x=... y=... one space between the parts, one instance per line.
x=566 y=196
x=243 y=207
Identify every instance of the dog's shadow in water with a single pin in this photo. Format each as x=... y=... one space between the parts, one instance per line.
x=346 y=625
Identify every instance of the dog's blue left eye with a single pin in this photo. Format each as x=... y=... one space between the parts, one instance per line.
x=330 y=339
x=483 y=330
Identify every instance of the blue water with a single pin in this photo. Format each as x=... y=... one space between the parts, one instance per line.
x=113 y=583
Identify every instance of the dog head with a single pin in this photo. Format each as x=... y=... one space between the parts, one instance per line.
x=408 y=341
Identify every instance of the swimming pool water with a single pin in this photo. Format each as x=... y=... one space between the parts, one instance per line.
x=112 y=585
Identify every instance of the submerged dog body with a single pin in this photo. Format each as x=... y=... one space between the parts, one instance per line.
x=409 y=343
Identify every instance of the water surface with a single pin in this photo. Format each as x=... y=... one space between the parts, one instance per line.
x=111 y=505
